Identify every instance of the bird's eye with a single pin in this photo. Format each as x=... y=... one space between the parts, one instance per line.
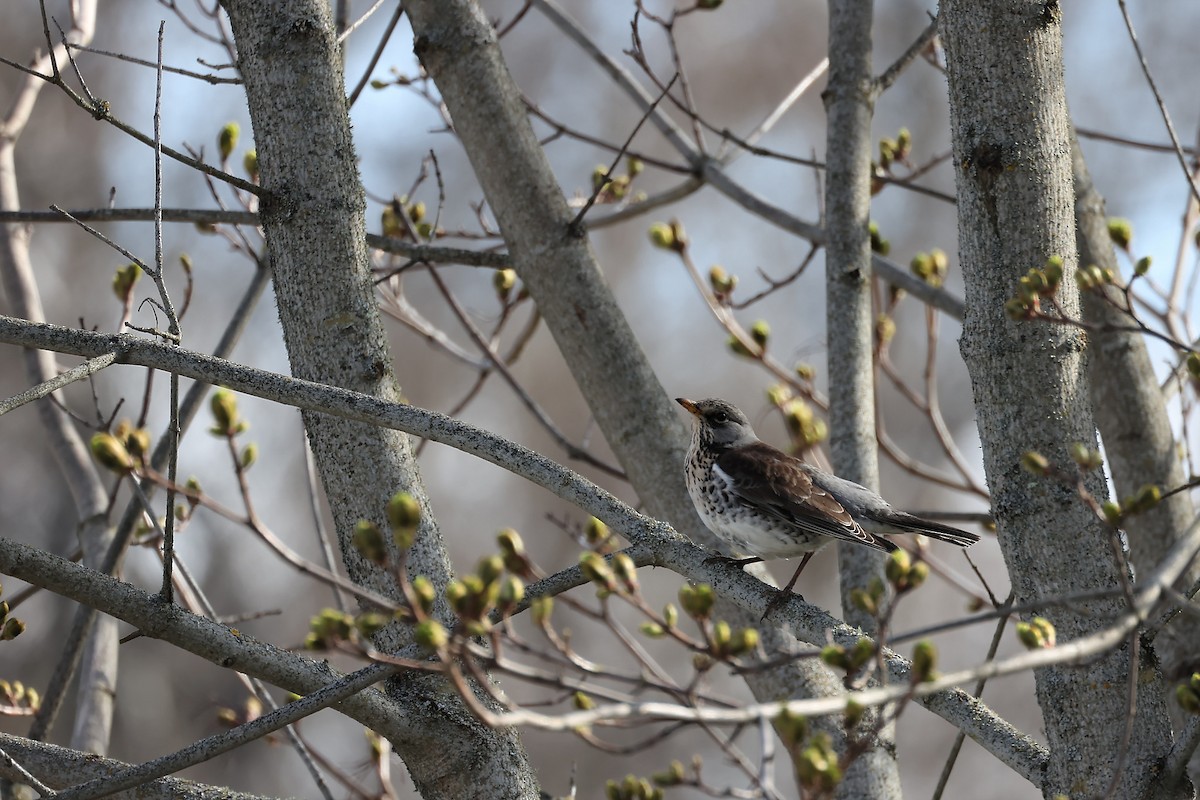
x=720 y=418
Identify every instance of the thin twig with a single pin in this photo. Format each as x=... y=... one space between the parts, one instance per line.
x=889 y=75
x=383 y=41
x=212 y=746
x=573 y=451
x=84 y=370
x=575 y=224
x=1158 y=99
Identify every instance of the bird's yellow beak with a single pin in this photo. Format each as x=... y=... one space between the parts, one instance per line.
x=689 y=405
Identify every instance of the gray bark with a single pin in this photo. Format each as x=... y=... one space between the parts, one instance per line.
x=458 y=48
x=1132 y=415
x=850 y=106
x=312 y=216
x=1011 y=142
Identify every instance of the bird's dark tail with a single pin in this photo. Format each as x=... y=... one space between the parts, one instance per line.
x=901 y=522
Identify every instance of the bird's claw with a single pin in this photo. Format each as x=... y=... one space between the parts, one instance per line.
x=734 y=562
x=779 y=601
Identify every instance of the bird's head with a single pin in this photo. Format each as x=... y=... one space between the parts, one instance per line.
x=718 y=423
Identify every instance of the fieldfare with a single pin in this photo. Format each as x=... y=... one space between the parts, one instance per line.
x=764 y=502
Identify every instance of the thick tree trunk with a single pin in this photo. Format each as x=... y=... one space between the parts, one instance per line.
x=458 y=48
x=313 y=219
x=1132 y=415
x=850 y=106
x=1011 y=139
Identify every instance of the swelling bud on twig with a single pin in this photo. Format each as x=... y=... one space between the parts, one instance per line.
x=670 y=615
x=368 y=541
x=885 y=329
x=597 y=570
x=931 y=267
x=111 y=454
x=1145 y=499
x=1035 y=463
x=817 y=767
x=878 y=243
x=854 y=713
x=404 y=515
x=503 y=280
x=669 y=236
x=13 y=628
x=1120 y=230
x=760 y=332
x=250 y=164
x=1037 y=633
x=227 y=139
x=924 y=661
x=424 y=593
x=225 y=412
x=512 y=592
x=722 y=282
x=1087 y=458
x=541 y=608
x=249 y=455
x=792 y=728
x=697 y=601
x=124 y=279
x=903 y=143
x=430 y=634
x=596 y=532
x=626 y=572
x=490 y=568
x=673 y=776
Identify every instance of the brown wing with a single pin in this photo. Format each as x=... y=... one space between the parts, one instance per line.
x=779 y=485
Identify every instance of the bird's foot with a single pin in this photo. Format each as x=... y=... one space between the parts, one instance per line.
x=735 y=562
x=781 y=598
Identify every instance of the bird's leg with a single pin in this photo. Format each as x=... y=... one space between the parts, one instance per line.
x=786 y=592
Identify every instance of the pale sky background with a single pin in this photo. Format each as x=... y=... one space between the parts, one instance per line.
x=742 y=59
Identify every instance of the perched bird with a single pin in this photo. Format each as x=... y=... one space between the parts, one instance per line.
x=769 y=504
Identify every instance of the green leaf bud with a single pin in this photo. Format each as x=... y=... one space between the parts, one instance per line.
x=227 y=139
x=652 y=629
x=596 y=532
x=597 y=570
x=697 y=601
x=430 y=634
x=541 y=609
x=924 y=660
x=250 y=164
x=249 y=455
x=368 y=541
x=834 y=655
x=662 y=236
x=109 y=451
x=626 y=572
x=225 y=411
x=673 y=776
x=1120 y=230
x=425 y=593
x=760 y=332
x=124 y=280
x=503 y=280
x=12 y=628
x=1034 y=462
